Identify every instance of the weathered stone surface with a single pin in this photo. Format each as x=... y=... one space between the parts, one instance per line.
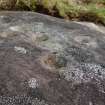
x=51 y=61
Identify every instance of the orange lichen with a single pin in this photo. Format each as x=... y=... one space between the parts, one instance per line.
x=53 y=61
x=50 y=60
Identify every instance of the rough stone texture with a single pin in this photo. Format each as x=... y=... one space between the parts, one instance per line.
x=50 y=61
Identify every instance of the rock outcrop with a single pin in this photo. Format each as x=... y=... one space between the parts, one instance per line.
x=50 y=61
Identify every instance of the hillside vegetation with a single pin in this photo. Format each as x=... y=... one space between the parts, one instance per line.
x=84 y=10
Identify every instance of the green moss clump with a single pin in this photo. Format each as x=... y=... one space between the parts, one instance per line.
x=86 y=10
x=27 y=4
x=93 y=13
x=7 y=4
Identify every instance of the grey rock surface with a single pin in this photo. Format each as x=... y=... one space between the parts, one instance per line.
x=50 y=61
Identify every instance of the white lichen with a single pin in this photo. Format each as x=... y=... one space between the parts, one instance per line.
x=33 y=83
x=15 y=28
x=20 y=49
x=84 y=72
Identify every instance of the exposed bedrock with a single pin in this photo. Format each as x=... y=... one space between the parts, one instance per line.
x=50 y=61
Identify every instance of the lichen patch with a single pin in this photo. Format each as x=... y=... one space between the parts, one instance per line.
x=83 y=73
x=33 y=83
x=15 y=28
x=53 y=61
x=21 y=50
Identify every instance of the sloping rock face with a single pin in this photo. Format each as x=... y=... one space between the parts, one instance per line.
x=48 y=61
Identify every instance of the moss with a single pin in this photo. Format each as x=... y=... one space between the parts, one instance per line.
x=91 y=10
x=93 y=13
x=29 y=4
x=49 y=4
x=7 y=4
